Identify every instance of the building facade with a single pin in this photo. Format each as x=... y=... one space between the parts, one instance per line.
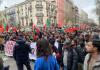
x=2 y=17
x=52 y=11
x=60 y=12
x=68 y=11
x=38 y=12
x=75 y=14
x=98 y=10
x=83 y=16
x=25 y=15
x=10 y=15
x=32 y=12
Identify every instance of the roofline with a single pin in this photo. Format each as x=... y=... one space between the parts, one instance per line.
x=16 y=5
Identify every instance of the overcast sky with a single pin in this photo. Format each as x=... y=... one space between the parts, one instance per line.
x=9 y=3
x=86 y=5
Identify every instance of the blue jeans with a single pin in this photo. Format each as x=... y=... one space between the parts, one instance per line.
x=65 y=67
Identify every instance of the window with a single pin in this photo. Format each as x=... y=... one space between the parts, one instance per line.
x=22 y=9
x=26 y=7
x=39 y=2
x=30 y=11
x=22 y=22
x=30 y=3
x=31 y=15
x=30 y=7
x=31 y=20
x=39 y=9
x=26 y=21
x=39 y=14
x=26 y=13
x=40 y=20
x=39 y=6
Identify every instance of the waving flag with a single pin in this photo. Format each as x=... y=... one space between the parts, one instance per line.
x=1 y=28
x=44 y=26
x=48 y=22
x=4 y=25
x=33 y=26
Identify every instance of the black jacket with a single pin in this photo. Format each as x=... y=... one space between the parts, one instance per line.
x=1 y=63
x=81 y=53
x=72 y=59
x=21 y=51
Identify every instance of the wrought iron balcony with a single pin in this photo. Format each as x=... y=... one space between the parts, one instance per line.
x=38 y=6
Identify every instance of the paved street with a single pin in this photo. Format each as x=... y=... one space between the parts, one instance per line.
x=10 y=61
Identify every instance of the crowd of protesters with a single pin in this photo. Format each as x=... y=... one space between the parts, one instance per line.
x=56 y=50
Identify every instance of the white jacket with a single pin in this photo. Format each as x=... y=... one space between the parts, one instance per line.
x=96 y=65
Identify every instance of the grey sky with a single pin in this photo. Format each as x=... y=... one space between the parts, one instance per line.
x=9 y=3
x=88 y=6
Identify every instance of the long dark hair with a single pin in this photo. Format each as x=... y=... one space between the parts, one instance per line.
x=43 y=48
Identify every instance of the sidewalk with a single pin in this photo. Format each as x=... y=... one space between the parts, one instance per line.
x=11 y=62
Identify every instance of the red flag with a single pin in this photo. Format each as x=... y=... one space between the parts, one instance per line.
x=7 y=28
x=14 y=29
x=37 y=30
x=1 y=28
x=82 y=26
x=44 y=27
x=33 y=26
x=60 y=24
x=75 y=28
x=70 y=30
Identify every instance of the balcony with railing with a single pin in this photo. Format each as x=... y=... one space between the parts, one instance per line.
x=38 y=6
